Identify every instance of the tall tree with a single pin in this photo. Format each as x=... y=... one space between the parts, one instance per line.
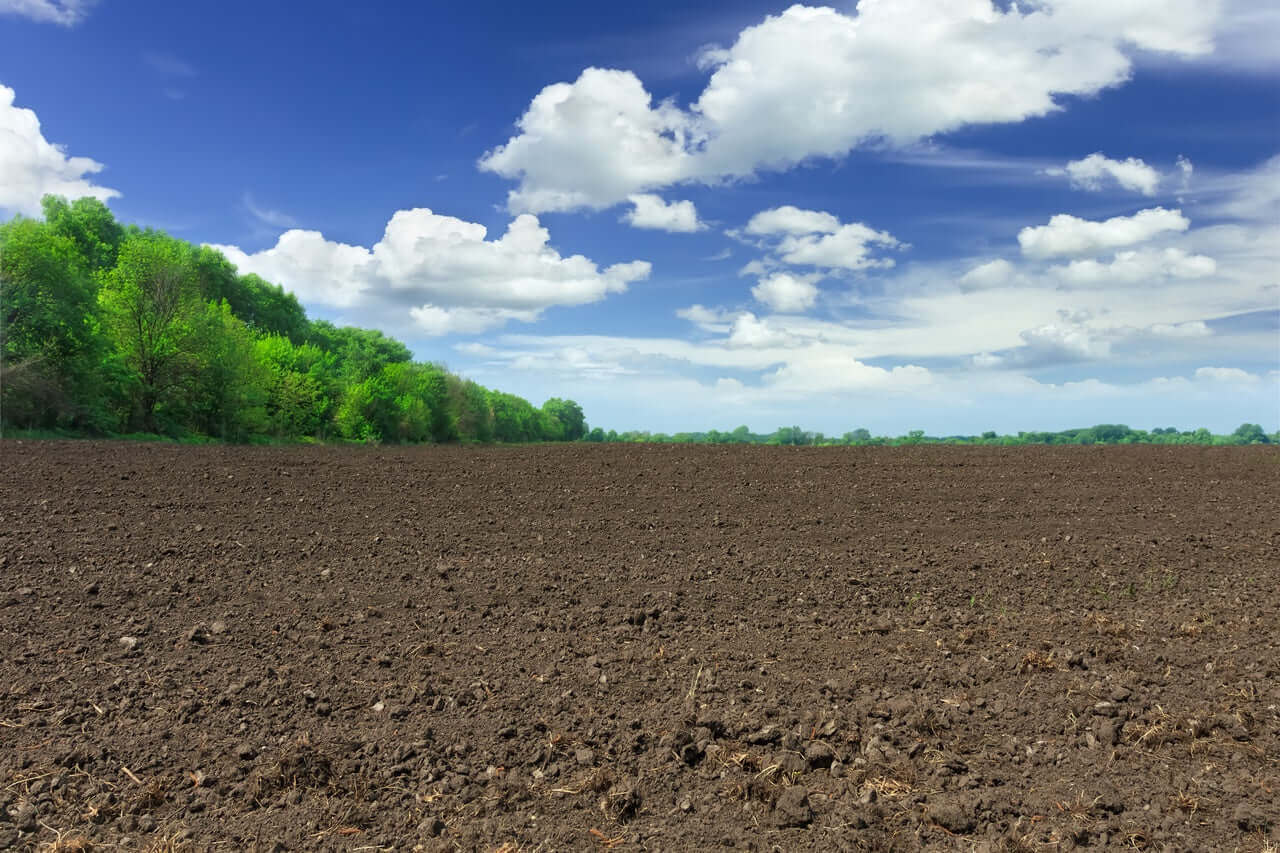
x=152 y=303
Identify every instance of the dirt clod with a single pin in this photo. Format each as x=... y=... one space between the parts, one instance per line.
x=953 y=815
x=792 y=808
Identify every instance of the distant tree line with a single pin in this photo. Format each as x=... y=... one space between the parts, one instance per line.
x=794 y=436
x=111 y=329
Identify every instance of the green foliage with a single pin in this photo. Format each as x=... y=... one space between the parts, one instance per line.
x=470 y=403
x=228 y=386
x=89 y=224
x=550 y=428
x=1250 y=434
x=514 y=420
x=357 y=414
x=569 y=415
x=790 y=437
x=263 y=306
x=50 y=341
x=152 y=305
x=124 y=329
x=296 y=401
x=361 y=352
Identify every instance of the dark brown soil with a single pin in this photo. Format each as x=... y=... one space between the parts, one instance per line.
x=639 y=647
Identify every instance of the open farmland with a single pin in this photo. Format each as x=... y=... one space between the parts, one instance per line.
x=639 y=647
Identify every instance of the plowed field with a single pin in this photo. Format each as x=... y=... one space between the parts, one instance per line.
x=639 y=647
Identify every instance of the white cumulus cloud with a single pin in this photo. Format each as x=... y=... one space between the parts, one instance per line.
x=848 y=247
x=992 y=274
x=1093 y=172
x=650 y=211
x=31 y=166
x=1137 y=266
x=753 y=332
x=789 y=219
x=1070 y=235
x=815 y=238
x=436 y=321
x=816 y=82
x=786 y=293
x=592 y=143
x=441 y=271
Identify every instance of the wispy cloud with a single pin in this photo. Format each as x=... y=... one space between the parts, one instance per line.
x=168 y=64
x=267 y=216
x=1247 y=37
x=68 y=13
x=171 y=67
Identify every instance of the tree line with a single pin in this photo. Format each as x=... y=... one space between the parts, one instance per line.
x=794 y=436
x=114 y=329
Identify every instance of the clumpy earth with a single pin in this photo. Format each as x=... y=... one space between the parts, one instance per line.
x=639 y=648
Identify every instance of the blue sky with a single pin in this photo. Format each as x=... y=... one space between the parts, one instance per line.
x=954 y=215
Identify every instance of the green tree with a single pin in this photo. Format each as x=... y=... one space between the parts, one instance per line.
x=269 y=308
x=357 y=414
x=1250 y=434
x=1110 y=433
x=514 y=419
x=361 y=352
x=569 y=414
x=228 y=386
x=549 y=427
x=50 y=344
x=421 y=397
x=296 y=403
x=791 y=436
x=151 y=305
x=89 y=224
x=263 y=306
x=470 y=405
